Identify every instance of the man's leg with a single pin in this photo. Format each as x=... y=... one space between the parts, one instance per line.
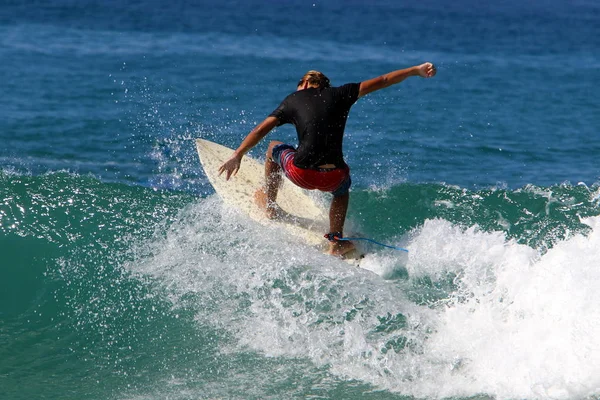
x=272 y=175
x=267 y=196
x=337 y=217
x=337 y=212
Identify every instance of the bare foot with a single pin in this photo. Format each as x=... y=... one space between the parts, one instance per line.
x=271 y=209
x=340 y=247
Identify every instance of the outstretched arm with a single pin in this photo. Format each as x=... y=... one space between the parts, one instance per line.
x=426 y=70
x=232 y=165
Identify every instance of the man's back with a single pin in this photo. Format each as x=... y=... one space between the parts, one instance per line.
x=319 y=115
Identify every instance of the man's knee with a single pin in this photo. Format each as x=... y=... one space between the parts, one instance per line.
x=272 y=144
x=343 y=189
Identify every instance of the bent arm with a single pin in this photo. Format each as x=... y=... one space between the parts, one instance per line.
x=426 y=70
x=256 y=134
x=231 y=166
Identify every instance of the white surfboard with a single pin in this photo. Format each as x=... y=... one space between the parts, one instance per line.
x=302 y=215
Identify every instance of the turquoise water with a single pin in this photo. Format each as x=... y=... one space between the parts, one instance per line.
x=123 y=276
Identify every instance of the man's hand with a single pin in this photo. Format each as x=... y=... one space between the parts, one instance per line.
x=231 y=166
x=427 y=70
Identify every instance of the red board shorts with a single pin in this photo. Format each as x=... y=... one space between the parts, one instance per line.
x=337 y=181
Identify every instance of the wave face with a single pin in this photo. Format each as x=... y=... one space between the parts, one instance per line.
x=128 y=292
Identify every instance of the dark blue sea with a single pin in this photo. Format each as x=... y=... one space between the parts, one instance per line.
x=124 y=276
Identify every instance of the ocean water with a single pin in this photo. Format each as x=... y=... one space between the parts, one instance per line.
x=123 y=276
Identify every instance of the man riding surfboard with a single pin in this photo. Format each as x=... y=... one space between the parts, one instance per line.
x=319 y=113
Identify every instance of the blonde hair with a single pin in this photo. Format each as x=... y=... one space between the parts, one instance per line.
x=315 y=78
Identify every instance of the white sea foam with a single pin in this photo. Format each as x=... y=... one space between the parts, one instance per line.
x=520 y=325
x=513 y=324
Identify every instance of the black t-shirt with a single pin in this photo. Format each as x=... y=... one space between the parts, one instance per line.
x=319 y=115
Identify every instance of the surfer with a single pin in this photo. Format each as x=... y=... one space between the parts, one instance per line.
x=319 y=113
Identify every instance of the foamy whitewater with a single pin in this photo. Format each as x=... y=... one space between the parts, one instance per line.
x=478 y=313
